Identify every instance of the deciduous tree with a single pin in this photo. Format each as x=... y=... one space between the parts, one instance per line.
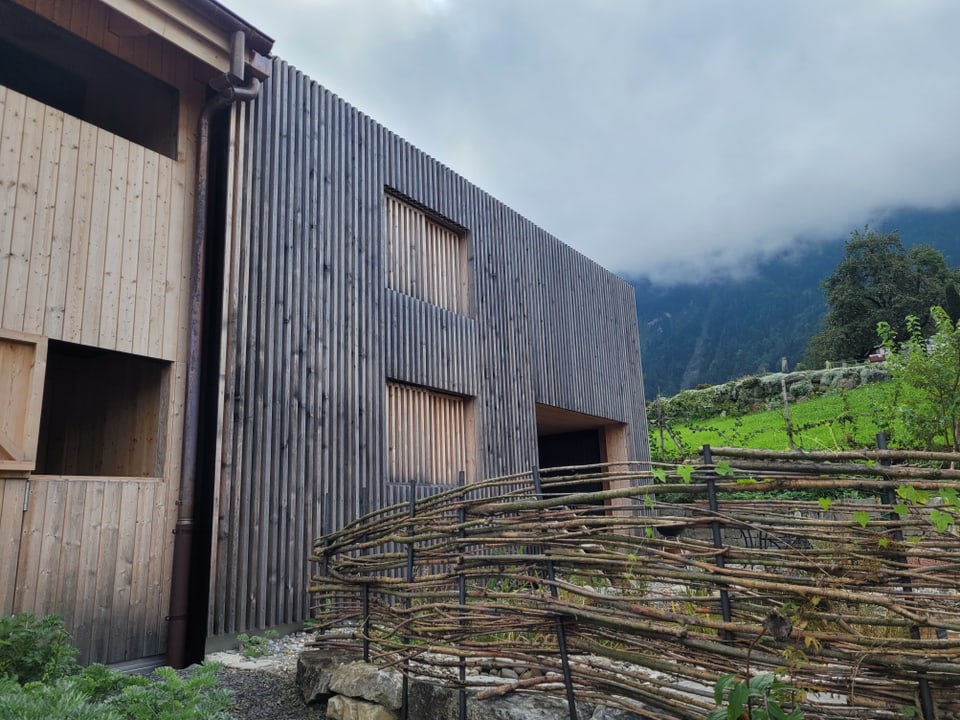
x=925 y=408
x=878 y=280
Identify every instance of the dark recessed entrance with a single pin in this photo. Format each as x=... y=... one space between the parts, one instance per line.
x=569 y=439
x=580 y=447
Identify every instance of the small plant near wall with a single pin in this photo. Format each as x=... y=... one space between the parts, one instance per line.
x=762 y=697
x=255 y=646
x=40 y=680
x=35 y=649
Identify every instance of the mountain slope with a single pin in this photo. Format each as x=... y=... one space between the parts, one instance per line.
x=696 y=334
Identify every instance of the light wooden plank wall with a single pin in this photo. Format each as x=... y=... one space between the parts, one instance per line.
x=427 y=435
x=95 y=249
x=314 y=334
x=424 y=259
x=83 y=239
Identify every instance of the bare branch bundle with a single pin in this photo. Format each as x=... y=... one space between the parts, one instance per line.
x=869 y=590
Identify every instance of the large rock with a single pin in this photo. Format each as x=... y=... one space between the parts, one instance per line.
x=360 y=691
x=313 y=672
x=344 y=708
x=430 y=701
x=369 y=682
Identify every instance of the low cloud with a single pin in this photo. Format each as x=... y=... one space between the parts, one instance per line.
x=679 y=141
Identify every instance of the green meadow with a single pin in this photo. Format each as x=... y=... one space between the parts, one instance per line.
x=839 y=420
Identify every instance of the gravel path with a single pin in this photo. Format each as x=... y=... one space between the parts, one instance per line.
x=265 y=688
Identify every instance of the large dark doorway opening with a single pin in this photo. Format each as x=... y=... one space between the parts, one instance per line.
x=567 y=439
x=577 y=448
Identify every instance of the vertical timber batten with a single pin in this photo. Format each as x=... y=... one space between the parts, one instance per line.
x=330 y=309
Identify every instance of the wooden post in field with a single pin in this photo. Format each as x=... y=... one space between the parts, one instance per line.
x=786 y=402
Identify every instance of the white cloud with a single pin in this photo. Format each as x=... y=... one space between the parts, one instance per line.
x=679 y=139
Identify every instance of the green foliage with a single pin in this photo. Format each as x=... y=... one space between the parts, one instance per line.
x=763 y=697
x=255 y=646
x=952 y=303
x=839 y=420
x=35 y=649
x=40 y=680
x=172 y=697
x=99 y=682
x=877 y=280
x=945 y=514
x=63 y=699
x=926 y=411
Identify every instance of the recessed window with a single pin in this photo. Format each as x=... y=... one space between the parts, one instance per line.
x=103 y=413
x=426 y=256
x=429 y=435
x=43 y=61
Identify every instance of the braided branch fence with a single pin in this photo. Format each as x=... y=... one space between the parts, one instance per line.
x=706 y=571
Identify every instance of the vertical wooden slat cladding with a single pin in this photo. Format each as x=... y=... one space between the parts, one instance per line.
x=427 y=435
x=330 y=297
x=424 y=259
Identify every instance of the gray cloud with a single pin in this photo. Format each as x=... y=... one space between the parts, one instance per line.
x=673 y=139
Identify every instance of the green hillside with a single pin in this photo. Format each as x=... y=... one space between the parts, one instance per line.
x=707 y=333
x=839 y=420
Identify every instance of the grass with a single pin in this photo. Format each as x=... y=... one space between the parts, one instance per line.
x=840 y=420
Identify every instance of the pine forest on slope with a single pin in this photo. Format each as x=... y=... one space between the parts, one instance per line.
x=708 y=334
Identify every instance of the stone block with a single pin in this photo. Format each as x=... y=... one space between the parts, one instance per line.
x=344 y=708
x=313 y=672
x=369 y=682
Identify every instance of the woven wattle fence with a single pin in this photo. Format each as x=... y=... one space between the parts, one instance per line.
x=854 y=600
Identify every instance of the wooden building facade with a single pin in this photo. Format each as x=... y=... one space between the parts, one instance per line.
x=385 y=320
x=99 y=109
x=370 y=318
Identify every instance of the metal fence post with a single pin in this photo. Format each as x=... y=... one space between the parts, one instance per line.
x=926 y=700
x=561 y=631
x=462 y=519
x=711 y=479
x=365 y=593
x=405 y=689
x=327 y=514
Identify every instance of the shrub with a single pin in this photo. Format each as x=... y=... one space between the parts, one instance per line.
x=62 y=699
x=35 y=649
x=40 y=680
x=172 y=697
x=927 y=370
x=763 y=697
x=99 y=682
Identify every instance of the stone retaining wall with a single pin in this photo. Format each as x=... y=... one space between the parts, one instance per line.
x=355 y=690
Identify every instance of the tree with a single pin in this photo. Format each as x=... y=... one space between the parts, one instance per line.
x=952 y=305
x=926 y=404
x=878 y=280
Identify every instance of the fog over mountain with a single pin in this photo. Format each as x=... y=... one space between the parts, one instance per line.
x=669 y=140
x=713 y=332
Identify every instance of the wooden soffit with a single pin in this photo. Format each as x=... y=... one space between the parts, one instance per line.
x=201 y=28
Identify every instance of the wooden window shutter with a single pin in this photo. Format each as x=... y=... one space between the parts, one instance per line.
x=425 y=259
x=23 y=360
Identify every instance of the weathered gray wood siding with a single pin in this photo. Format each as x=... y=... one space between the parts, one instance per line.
x=313 y=335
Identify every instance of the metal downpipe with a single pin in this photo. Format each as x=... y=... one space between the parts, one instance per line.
x=183 y=532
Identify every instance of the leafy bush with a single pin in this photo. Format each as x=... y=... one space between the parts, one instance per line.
x=927 y=370
x=99 y=682
x=255 y=646
x=172 y=697
x=35 y=649
x=40 y=680
x=762 y=698
x=62 y=699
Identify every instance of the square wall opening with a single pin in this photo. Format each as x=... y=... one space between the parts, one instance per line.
x=103 y=414
x=571 y=443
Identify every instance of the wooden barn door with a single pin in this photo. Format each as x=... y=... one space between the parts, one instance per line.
x=22 y=363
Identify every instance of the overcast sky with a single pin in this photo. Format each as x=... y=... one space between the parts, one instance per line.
x=671 y=139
